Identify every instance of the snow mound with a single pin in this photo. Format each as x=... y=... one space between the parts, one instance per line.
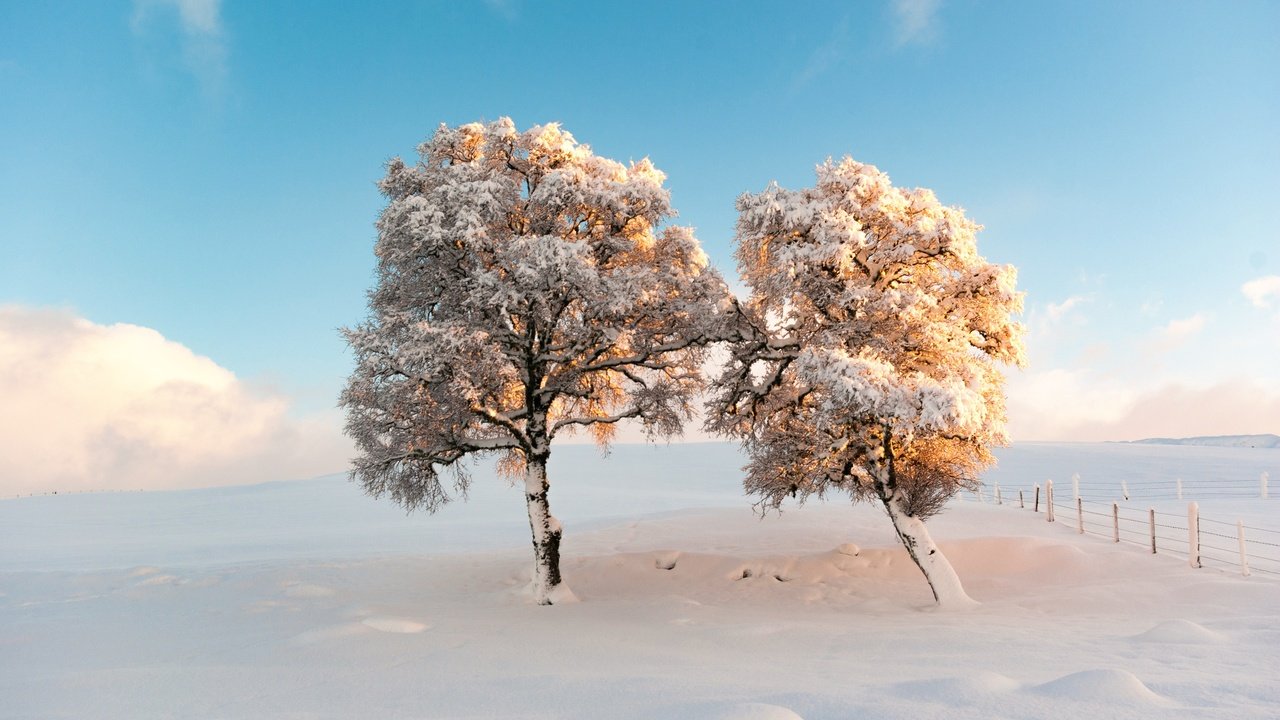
x=1181 y=631
x=326 y=634
x=305 y=590
x=757 y=711
x=1102 y=685
x=849 y=549
x=394 y=625
x=966 y=688
x=160 y=580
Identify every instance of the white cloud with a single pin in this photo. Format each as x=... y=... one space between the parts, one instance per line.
x=1056 y=311
x=1077 y=406
x=1178 y=332
x=94 y=407
x=915 y=21
x=1262 y=290
x=1055 y=404
x=204 y=48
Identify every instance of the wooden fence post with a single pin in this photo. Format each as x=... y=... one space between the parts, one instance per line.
x=1152 y=515
x=999 y=500
x=1179 y=488
x=1048 y=500
x=1037 y=505
x=1244 y=559
x=1115 y=521
x=1079 y=515
x=1021 y=503
x=1193 y=535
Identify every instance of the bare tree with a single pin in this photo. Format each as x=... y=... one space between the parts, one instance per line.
x=524 y=290
x=867 y=358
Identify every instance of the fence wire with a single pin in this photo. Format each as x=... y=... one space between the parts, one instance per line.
x=1217 y=546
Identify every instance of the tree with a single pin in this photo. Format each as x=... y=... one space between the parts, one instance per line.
x=867 y=357
x=523 y=290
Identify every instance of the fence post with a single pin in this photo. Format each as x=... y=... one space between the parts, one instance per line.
x=1037 y=505
x=1152 y=514
x=1115 y=521
x=1079 y=515
x=1048 y=500
x=1193 y=535
x=1244 y=559
x=1124 y=489
x=1262 y=481
x=999 y=500
x=1179 y=488
x=1075 y=485
x=1021 y=503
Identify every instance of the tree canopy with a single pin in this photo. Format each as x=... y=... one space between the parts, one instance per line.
x=525 y=288
x=869 y=353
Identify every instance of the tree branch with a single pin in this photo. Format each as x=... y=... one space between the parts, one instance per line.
x=600 y=420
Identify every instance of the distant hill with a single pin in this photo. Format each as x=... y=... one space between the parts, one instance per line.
x=1256 y=441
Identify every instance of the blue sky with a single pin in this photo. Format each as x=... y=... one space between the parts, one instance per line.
x=205 y=170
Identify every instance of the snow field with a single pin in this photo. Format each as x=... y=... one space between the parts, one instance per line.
x=697 y=610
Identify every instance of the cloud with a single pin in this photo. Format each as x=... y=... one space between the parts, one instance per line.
x=915 y=21
x=1056 y=311
x=1262 y=291
x=823 y=57
x=96 y=407
x=508 y=10
x=1058 y=404
x=204 y=49
x=1074 y=406
x=1177 y=332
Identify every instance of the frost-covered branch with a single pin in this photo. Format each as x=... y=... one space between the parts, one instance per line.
x=631 y=412
x=525 y=286
x=867 y=358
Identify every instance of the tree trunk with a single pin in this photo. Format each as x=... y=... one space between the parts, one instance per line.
x=547 y=585
x=943 y=581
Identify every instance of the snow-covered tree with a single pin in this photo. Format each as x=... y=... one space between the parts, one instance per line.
x=524 y=289
x=868 y=353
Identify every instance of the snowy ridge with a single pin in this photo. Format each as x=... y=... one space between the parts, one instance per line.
x=1240 y=441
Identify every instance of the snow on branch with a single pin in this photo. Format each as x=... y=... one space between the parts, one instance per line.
x=525 y=286
x=867 y=358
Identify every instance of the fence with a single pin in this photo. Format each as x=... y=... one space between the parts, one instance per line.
x=1201 y=541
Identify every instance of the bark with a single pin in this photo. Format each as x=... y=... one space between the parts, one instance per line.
x=942 y=578
x=547 y=583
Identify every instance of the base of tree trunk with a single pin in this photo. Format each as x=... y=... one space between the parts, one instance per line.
x=942 y=578
x=548 y=587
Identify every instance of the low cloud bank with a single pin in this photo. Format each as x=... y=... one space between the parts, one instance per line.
x=1065 y=405
x=119 y=407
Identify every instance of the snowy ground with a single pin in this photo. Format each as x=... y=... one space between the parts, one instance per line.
x=308 y=600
